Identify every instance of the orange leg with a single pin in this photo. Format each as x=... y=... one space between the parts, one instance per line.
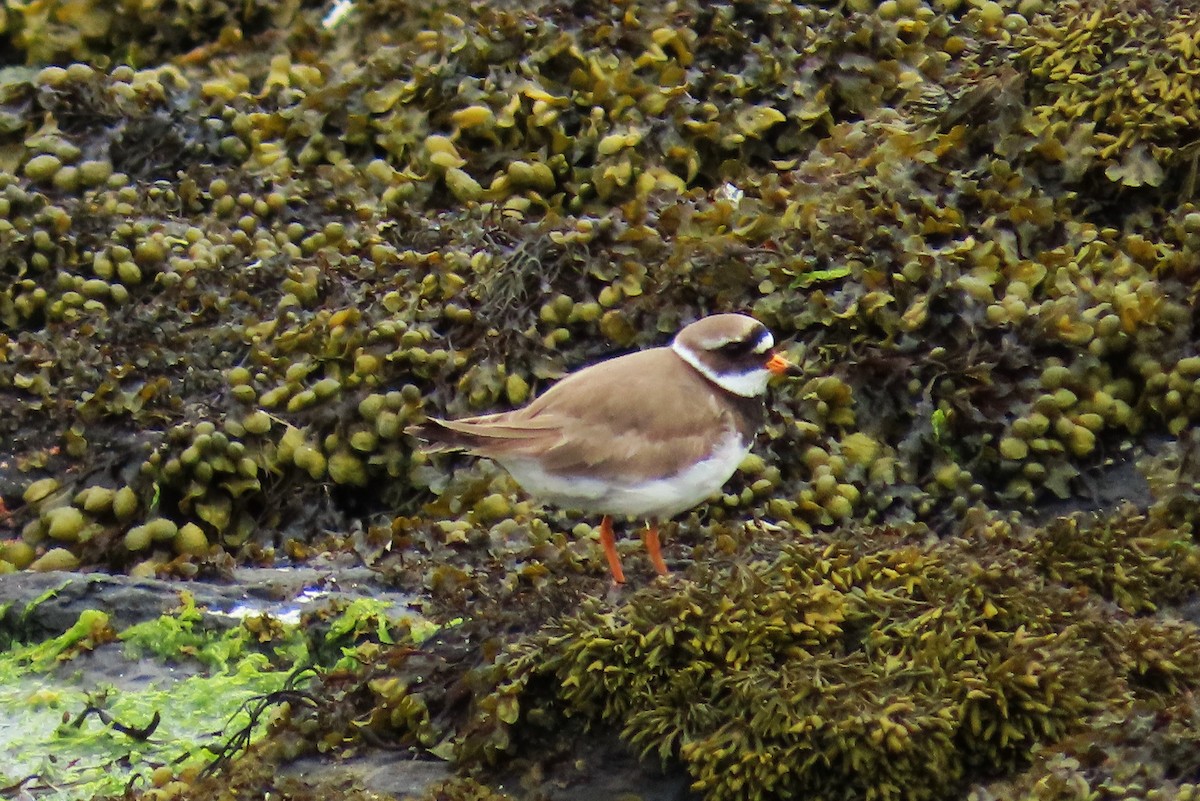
x=654 y=549
x=610 y=550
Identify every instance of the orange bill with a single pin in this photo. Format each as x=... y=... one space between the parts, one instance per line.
x=781 y=366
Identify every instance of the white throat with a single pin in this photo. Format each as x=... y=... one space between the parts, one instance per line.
x=750 y=384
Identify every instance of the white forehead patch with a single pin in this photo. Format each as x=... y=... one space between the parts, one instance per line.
x=765 y=343
x=716 y=343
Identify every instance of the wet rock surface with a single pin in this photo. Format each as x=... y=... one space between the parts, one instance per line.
x=43 y=605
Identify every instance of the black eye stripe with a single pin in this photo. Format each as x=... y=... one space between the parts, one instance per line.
x=744 y=346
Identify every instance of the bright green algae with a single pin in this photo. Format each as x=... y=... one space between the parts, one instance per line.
x=194 y=697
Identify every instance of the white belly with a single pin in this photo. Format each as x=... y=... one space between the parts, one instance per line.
x=659 y=498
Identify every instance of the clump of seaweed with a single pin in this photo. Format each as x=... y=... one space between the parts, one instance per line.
x=880 y=665
x=887 y=675
x=138 y=32
x=1149 y=753
x=1137 y=562
x=1122 y=72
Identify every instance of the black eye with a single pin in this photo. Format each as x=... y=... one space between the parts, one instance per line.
x=739 y=348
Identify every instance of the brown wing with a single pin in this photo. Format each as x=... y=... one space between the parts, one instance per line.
x=648 y=411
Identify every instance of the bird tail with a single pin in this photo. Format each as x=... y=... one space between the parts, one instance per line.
x=440 y=436
x=481 y=435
